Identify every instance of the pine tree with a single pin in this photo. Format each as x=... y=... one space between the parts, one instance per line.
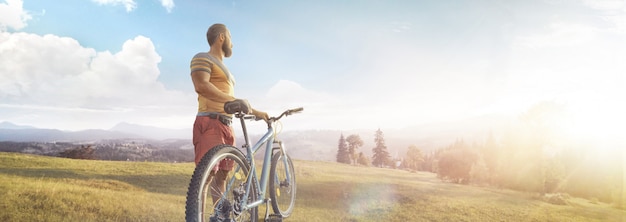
x=381 y=156
x=342 y=152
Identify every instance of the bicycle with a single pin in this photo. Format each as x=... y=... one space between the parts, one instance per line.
x=244 y=192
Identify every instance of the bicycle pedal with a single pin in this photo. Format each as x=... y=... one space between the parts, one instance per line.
x=274 y=218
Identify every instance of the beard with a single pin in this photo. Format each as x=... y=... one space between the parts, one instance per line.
x=228 y=51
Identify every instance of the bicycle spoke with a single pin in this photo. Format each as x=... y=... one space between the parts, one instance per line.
x=282 y=185
x=220 y=195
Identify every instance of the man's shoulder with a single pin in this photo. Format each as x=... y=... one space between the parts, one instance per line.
x=201 y=55
x=202 y=58
x=201 y=62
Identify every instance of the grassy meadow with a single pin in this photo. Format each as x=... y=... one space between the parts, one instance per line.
x=38 y=188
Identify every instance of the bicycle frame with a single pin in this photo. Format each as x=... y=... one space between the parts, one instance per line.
x=268 y=140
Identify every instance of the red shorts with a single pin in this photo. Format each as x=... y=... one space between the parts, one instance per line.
x=208 y=133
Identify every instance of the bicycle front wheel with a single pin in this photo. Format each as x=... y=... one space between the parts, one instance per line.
x=282 y=184
x=217 y=195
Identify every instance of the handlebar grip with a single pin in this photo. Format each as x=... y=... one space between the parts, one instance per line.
x=299 y=109
x=250 y=117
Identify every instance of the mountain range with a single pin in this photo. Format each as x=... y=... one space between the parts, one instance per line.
x=22 y=133
x=9 y=125
x=302 y=144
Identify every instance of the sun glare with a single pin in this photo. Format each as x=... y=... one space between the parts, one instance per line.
x=597 y=125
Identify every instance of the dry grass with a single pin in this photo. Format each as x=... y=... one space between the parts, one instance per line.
x=35 y=188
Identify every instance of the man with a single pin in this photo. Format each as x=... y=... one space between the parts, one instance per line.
x=215 y=86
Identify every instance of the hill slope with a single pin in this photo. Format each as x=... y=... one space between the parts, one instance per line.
x=36 y=188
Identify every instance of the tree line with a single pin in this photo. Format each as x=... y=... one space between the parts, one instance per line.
x=348 y=147
x=530 y=157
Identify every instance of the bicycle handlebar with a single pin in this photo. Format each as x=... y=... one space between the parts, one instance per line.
x=273 y=119
x=288 y=112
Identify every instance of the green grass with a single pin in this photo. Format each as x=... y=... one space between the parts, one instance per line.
x=37 y=188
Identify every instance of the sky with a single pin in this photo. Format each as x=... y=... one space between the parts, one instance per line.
x=365 y=64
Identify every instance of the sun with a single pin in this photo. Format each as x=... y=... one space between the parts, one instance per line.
x=596 y=120
x=598 y=124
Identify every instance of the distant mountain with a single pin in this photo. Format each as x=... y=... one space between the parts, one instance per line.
x=50 y=135
x=9 y=125
x=17 y=133
x=303 y=144
x=151 y=132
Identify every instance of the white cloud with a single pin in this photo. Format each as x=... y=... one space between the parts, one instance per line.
x=399 y=27
x=52 y=77
x=321 y=110
x=605 y=4
x=614 y=12
x=168 y=5
x=559 y=34
x=618 y=21
x=130 y=5
x=356 y=110
x=286 y=94
x=12 y=15
x=292 y=93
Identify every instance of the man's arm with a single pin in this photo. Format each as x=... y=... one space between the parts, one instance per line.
x=259 y=114
x=206 y=89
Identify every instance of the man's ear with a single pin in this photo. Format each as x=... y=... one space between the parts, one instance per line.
x=222 y=37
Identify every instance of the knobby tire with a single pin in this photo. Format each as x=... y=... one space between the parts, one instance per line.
x=199 y=206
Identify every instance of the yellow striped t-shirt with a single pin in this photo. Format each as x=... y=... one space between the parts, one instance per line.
x=218 y=77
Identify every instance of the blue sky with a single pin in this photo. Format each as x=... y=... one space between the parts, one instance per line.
x=352 y=64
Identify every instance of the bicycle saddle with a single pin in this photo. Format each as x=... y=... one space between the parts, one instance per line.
x=238 y=105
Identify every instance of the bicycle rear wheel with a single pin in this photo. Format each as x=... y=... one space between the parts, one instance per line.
x=282 y=184
x=204 y=188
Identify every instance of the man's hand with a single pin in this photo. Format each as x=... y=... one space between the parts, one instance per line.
x=260 y=114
